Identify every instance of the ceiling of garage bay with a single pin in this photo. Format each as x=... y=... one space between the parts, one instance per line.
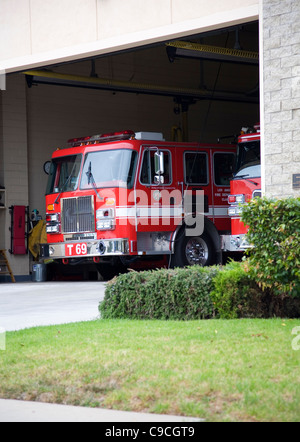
x=230 y=89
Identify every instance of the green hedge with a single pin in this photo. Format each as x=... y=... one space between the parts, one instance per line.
x=274 y=231
x=236 y=294
x=193 y=293
x=161 y=294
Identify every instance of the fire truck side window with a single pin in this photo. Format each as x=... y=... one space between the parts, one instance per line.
x=223 y=168
x=148 y=168
x=64 y=173
x=195 y=168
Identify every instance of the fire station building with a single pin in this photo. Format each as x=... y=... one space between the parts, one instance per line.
x=195 y=69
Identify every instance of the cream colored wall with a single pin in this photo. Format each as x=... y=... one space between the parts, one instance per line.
x=14 y=174
x=38 y=32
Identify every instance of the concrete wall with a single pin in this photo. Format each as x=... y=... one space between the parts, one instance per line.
x=38 y=32
x=281 y=95
x=14 y=154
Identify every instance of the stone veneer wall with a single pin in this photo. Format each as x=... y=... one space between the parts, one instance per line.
x=281 y=96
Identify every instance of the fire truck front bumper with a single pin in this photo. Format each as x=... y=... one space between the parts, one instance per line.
x=235 y=243
x=103 y=247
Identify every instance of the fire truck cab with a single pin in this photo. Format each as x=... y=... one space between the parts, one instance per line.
x=245 y=185
x=115 y=198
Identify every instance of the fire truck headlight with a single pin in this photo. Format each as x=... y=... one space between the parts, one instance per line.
x=235 y=211
x=105 y=213
x=53 y=228
x=53 y=223
x=106 y=225
x=240 y=198
x=55 y=217
x=231 y=211
x=105 y=219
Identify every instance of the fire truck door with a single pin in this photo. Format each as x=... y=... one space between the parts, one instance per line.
x=196 y=169
x=157 y=200
x=221 y=167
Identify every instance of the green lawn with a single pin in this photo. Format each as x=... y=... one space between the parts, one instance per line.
x=220 y=370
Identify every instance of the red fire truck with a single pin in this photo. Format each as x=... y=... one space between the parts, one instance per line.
x=245 y=185
x=116 y=199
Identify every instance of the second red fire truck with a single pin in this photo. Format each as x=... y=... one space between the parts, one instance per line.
x=245 y=185
x=114 y=199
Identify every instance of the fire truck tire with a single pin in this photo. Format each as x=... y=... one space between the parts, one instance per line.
x=194 y=250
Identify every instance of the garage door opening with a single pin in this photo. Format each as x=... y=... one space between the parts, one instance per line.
x=206 y=86
x=202 y=88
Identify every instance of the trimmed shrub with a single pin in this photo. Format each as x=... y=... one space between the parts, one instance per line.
x=194 y=293
x=235 y=294
x=180 y=294
x=274 y=231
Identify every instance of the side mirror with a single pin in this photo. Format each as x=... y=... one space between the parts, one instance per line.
x=159 y=163
x=159 y=167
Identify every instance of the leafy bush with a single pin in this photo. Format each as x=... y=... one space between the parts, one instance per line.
x=274 y=231
x=235 y=293
x=161 y=294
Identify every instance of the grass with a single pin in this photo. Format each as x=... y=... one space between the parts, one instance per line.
x=220 y=370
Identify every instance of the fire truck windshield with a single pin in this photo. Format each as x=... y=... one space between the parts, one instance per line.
x=109 y=168
x=248 y=160
x=64 y=174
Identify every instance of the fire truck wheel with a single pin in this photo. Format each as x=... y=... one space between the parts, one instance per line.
x=194 y=250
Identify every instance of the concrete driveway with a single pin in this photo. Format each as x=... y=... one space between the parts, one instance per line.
x=31 y=304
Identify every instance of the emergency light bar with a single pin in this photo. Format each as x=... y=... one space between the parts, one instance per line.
x=102 y=138
x=250 y=130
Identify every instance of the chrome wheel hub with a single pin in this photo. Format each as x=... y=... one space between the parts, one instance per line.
x=196 y=251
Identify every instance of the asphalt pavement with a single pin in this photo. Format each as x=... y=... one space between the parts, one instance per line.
x=32 y=304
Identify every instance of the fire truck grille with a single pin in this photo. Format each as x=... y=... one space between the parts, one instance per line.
x=78 y=215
